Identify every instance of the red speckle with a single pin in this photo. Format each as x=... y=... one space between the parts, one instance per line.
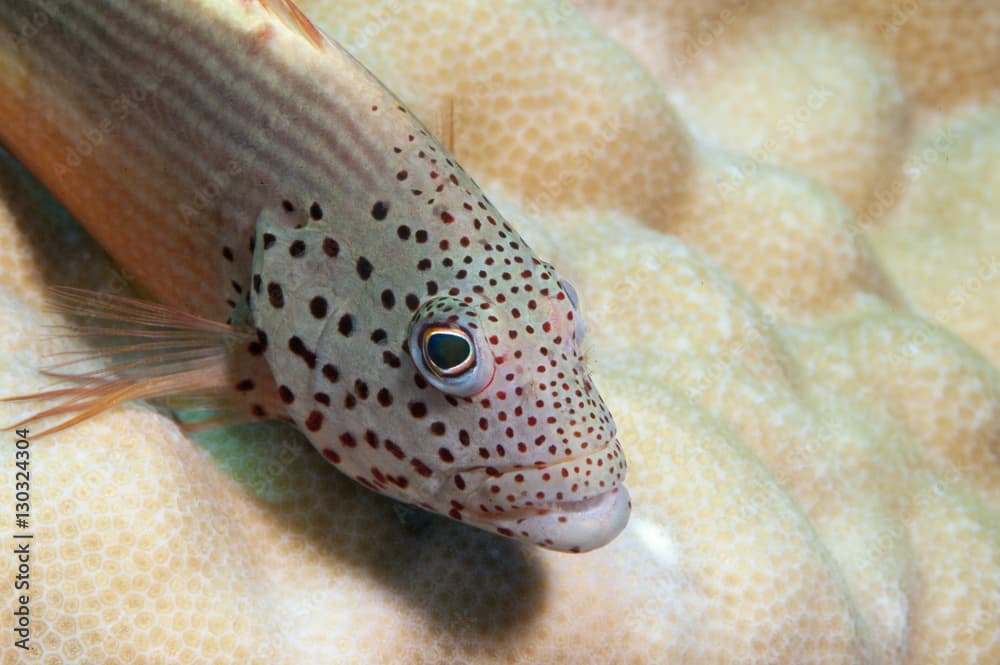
x=399 y=481
x=331 y=455
x=396 y=451
x=315 y=421
x=421 y=468
x=348 y=440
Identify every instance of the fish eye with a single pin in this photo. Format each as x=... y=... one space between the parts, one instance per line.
x=449 y=348
x=448 y=352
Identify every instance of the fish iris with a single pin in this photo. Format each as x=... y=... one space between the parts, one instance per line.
x=448 y=352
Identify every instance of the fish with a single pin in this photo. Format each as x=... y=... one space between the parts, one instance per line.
x=307 y=251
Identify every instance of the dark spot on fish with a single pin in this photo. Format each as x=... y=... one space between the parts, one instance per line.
x=380 y=210
x=361 y=389
x=296 y=346
x=384 y=397
x=421 y=468
x=315 y=211
x=364 y=268
x=318 y=307
x=331 y=373
x=394 y=449
x=275 y=295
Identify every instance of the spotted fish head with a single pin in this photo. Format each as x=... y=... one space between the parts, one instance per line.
x=437 y=360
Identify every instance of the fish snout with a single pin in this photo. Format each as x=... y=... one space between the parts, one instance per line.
x=574 y=506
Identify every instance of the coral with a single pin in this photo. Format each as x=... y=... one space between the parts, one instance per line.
x=780 y=219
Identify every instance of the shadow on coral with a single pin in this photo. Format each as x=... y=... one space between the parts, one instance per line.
x=486 y=588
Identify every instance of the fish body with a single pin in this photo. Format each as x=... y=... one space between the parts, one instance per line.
x=244 y=169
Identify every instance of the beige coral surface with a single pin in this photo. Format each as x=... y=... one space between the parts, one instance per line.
x=784 y=222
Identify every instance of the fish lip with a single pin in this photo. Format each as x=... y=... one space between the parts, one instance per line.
x=580 y=524
x=571 y=526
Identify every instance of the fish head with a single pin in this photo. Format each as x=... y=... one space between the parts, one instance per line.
x=444 y=370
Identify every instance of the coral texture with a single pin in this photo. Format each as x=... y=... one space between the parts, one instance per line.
x=781 y=218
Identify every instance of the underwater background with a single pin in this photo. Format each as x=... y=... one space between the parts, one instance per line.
x=783 y=220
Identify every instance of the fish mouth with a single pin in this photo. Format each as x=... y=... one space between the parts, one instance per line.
x=575 y=505
x=568 y=526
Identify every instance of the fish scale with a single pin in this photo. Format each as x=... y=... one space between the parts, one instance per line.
x=379 y=301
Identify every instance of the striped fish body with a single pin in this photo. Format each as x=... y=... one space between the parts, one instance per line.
x=242 y=168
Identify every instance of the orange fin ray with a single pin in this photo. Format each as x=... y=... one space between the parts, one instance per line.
x=294 y=18
x=156 y=352
x=443 y=126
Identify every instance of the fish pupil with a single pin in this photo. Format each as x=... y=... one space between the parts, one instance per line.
x=448 y=352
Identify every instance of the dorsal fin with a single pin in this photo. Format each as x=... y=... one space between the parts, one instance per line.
x=442 y=123
x=294 y=18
